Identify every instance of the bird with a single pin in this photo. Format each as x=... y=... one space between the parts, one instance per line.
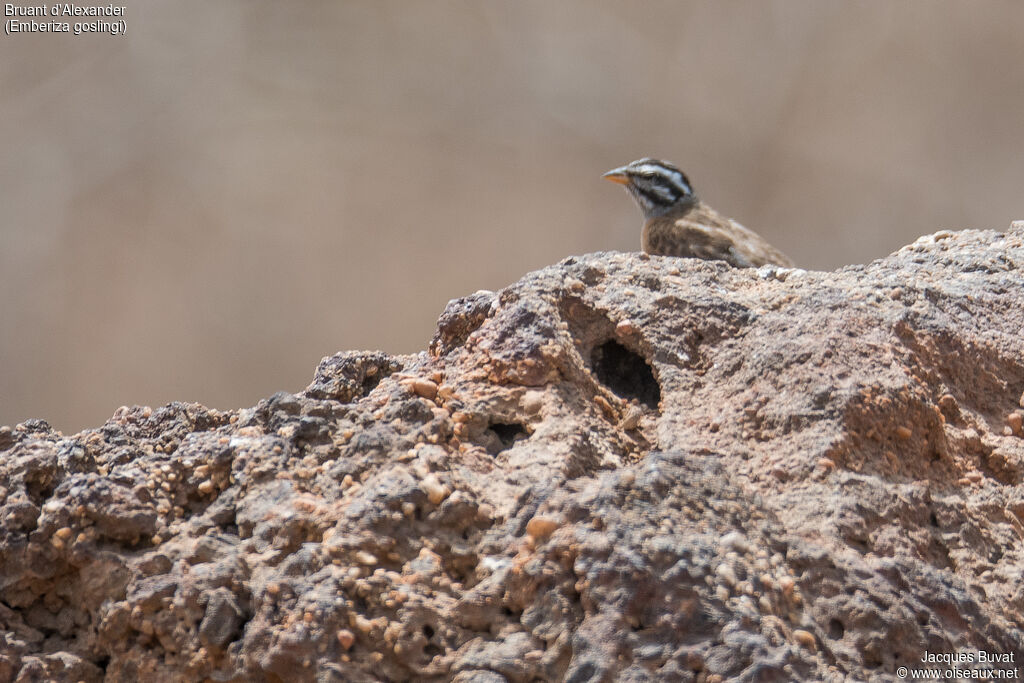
x=678 y=223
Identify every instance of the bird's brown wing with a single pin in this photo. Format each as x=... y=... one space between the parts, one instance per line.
x=713 y=236
x=694 y=239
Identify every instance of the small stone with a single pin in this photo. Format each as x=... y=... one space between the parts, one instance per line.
x=423 y=387
x=205 y=487
x=6 y=438
x=533 y=402
x=903 y=432
x=541 y=527
x=625 y=328
x=734 y=540
x=435 y=490
x=603 y=404
x=805 y=638
x=631 y=417
x=365 y=557
x=362 y=624
x=726 y=573
x=1015 y=421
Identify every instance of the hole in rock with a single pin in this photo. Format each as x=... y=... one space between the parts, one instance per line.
x=370 y=381
x=626 y=373
x=39 y=488
x=428 y=631
x=836 y=630
x=507 y=432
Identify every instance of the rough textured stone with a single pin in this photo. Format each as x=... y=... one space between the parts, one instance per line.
x=621 y=467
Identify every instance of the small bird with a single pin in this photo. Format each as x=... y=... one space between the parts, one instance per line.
x=678 y=223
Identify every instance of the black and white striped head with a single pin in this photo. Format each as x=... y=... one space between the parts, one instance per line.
x=658 y=187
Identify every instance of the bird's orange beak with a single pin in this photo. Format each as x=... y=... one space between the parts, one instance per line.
x=617 y=175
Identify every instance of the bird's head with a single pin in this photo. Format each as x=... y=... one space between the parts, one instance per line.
x=658 y=186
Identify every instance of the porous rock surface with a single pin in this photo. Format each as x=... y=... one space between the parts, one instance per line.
x=619 y=468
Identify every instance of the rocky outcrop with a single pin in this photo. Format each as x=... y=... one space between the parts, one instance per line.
x=621 y=467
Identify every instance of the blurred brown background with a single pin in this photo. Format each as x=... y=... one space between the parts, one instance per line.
x=203 y=208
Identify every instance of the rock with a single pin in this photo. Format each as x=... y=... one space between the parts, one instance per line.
x=222 y=619
x=348 y=376
x=621 y=467
x=460 y=318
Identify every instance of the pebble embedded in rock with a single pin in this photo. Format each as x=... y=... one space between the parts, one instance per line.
x=366 y=558
x=726 y=573
x=541 y=527
x=1015 y=421
x=533 y=402
x=435 y=490
x=805 y=638
x=625 y=328
x=736 y=541
x=424 y=387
